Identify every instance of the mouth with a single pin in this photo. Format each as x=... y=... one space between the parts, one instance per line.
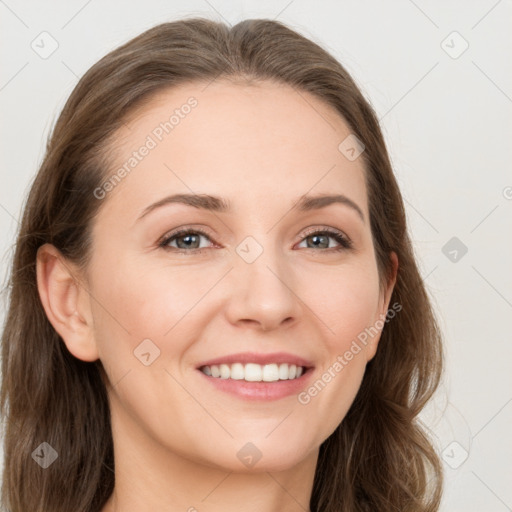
x=253 y=372
x=253 y=376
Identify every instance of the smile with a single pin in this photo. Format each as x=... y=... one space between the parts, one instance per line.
x=252 y=372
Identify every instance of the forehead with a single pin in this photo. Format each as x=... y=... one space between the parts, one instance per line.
x=236 y=141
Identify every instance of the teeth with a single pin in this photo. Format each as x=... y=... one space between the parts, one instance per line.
x=237 y=371
x=283 y=372
x=225 y=372
x=252 y=372
x=270 y=372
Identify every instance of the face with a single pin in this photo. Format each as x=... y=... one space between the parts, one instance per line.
x=266 y=282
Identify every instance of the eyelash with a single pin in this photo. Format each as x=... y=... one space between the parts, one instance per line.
x=345 y=243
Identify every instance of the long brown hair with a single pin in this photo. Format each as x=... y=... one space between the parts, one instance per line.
x=379 y=458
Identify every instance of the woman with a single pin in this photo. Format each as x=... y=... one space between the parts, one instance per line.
x=214 y=301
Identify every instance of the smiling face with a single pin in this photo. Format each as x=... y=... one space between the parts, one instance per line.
x=260 y=270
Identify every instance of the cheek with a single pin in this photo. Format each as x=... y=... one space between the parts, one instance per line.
x=132 y=303
x=347 y=302
x=136 y=304
x=147 y=299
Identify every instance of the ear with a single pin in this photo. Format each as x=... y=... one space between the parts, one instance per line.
x=66 y=302
x=387 y=292
x=385 y=298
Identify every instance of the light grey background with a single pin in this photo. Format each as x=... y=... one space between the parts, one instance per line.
x=446 y=116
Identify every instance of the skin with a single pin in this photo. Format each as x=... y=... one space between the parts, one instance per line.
x=176 y=437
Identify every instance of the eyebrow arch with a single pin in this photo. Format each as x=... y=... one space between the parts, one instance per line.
x=308 y=203
x=201 y=201
x=218 y=204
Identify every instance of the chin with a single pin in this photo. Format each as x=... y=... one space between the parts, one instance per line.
x=263 y=455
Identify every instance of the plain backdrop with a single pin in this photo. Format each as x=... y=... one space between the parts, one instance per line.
x=438 y=74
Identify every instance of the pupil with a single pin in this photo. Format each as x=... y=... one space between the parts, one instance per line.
x=317 y=238
x=188 y=240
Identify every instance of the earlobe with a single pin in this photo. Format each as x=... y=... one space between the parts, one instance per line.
x=62 y=298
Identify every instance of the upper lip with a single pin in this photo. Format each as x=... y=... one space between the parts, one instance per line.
x=254 y=357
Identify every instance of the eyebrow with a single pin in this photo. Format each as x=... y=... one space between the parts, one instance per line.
x=217 y=204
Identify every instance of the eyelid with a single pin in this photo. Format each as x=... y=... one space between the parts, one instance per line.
x=330 y=229
x=182 y=230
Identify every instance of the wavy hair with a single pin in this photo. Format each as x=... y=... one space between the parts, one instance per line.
x=379 y=458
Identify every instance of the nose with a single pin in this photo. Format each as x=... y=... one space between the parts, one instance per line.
x=262 y=293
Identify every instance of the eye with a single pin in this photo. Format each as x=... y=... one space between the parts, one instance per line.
x=185 y=239
x=320 y=238
x=188 y=240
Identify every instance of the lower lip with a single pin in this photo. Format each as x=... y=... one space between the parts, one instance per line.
x=260 y=390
